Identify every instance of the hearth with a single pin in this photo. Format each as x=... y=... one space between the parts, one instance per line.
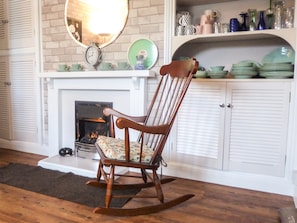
x=90 y=122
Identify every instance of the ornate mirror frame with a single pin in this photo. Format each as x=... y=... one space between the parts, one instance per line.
x=99 y=21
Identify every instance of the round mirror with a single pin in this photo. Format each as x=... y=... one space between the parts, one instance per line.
x=95 y=21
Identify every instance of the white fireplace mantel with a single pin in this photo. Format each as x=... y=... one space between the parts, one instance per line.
x=126 y=89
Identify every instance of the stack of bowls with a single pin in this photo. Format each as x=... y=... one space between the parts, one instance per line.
x=277 y=70
x=244 y=70
x=217 y=72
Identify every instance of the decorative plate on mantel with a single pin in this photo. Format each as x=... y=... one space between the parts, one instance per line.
x=144 y=47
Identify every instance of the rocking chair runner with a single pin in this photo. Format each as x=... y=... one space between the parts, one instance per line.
x=146 y=153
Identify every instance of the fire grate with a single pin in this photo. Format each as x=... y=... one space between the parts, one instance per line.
x=85 y=150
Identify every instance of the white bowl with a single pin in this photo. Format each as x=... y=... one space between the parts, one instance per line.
x=217 y=68
x=200 y=74
x=222 y=72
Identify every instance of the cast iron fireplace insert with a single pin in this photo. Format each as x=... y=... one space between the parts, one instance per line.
x=90 y=122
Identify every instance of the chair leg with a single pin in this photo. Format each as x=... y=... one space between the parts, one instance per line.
x=158 y=187
x=144 y=176
x=108 y=195
x=100 y=166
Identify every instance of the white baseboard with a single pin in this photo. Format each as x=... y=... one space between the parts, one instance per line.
x=27 y=147
x=257 y=182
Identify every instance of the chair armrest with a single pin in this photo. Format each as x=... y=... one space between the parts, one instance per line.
x=127 y=123
x=110 y=111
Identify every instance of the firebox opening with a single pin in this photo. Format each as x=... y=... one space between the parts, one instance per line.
x=90 y=122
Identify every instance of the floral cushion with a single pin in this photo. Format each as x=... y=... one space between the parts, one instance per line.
x=115 y=149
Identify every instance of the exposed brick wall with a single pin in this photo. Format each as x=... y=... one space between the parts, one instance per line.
x=145 y=20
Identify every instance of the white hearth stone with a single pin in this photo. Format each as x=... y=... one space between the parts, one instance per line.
x=77 y=165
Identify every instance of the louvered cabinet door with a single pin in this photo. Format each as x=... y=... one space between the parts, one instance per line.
x=21 y=23
x=17 y=24
x=24 y=98
x=200 y=125
x=256 y=127
x=5 y=124
x=3 y=25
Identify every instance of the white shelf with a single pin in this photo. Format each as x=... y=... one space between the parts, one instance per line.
x=201 y=2
x=288 y=35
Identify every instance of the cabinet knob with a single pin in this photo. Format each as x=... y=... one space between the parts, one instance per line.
x=7 y=83
x=229 y=105
x=222 y=105
x=4 y=21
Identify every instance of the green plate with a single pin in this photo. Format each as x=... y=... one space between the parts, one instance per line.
x=143 y=47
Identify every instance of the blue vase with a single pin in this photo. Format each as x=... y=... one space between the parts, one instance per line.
x=234 y=25
x=261 y=24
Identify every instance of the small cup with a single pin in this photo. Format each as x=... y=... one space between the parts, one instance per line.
x=75 y=67
x=198 y=29
x=123 y=66
x=180 y=30
x=190 y=30
x=185 y=20
x=62 y=67
x=224 y=28
x=106 y=66
x=217 y=27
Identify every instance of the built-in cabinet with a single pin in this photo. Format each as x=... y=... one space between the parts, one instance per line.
x=233 y=131
x=235 y=126
x=19 y=96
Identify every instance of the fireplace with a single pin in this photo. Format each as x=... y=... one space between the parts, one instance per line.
x=90 y=122
x=126 y=90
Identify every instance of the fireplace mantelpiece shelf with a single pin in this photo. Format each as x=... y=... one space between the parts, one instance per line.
x=126 y=89
x=99 y=74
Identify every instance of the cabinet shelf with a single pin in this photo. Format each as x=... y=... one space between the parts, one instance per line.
x=289 y=35
x=200 y=2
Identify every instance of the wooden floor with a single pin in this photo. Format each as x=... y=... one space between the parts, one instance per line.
x=212 y=203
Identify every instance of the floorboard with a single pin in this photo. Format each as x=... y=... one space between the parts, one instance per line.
x=212 y=204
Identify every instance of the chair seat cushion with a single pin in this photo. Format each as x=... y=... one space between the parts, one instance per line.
x=115 y=149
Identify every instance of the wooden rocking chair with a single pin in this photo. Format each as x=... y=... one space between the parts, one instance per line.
x=146 y=153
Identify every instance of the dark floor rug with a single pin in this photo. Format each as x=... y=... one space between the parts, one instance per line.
x=67 y=186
